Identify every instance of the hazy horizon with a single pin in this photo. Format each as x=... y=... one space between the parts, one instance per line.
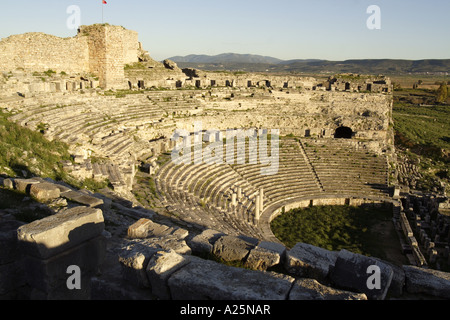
x=201 y=54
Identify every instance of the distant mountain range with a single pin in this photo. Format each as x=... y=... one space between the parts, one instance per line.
x=257 y=63
x=226 y=58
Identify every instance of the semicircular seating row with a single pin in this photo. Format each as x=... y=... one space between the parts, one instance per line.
x=202 y=193
x=104 y=121
x=306 y=168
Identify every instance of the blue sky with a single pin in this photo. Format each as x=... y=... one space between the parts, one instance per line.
x=285 y=29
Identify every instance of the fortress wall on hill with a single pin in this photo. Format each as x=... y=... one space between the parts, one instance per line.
x=102 y=50
x=41 y=52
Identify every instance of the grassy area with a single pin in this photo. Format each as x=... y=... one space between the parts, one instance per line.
x=136 y=66
x=334 y=228
x=423 y=127
x=122 y=93
x=406 y=82
x=24 y=150
x=26 y=153
x=422 y=133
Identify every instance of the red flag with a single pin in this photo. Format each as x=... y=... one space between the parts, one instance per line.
x=104 y=2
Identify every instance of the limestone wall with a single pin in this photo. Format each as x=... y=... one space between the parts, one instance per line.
x=305 y=114
x=41 y=52
x=131 y=46
x=102 y=50
x=110 y=48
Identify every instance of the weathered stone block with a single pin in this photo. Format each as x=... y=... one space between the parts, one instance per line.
x=180 y=233
x=44 y=191
x=24 y=185
x=275 y=247
x=83 y=199
x=161 y=266
x=165 y=243
x=139 y=230
x=55 y=234
x=134 y=260
x=398 y=281
x=310 y=289
x=265 y=255
x=145 y=228
x=427 y=281
x=62 y=189
x=231 y=248
x=48 y=274
x=203 y=243
x=309 y=261
x=208 y=280
x=8 y=183
x=351 y=271
x=170 y=243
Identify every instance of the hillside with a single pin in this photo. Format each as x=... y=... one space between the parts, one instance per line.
x=226 y=58
x=255 y=63
x=26 y=153
x=422 y=139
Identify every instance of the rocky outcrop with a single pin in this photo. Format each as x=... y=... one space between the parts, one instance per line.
x=169 y=64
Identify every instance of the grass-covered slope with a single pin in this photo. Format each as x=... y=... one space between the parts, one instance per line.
x=27 y=153
x=24 y=152
x=422 y=134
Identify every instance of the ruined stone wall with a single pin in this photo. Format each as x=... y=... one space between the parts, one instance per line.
x=114 y=74
x=41 y=52
x=131 y=46
x=95 y=38
x=102 y=50
x=163 y=261
x=35 y=257
x=110 y=48
x=306 y=114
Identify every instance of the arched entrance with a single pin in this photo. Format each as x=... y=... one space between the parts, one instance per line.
x=343 y=133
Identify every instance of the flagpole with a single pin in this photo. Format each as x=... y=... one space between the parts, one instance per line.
x=103 y=4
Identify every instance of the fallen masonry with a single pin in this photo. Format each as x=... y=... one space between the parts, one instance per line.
x=169 y=274
x=163 y=261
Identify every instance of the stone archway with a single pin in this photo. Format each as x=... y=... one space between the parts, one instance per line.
x=343 y=133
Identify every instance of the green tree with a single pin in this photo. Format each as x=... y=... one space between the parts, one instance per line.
x=442 y=93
